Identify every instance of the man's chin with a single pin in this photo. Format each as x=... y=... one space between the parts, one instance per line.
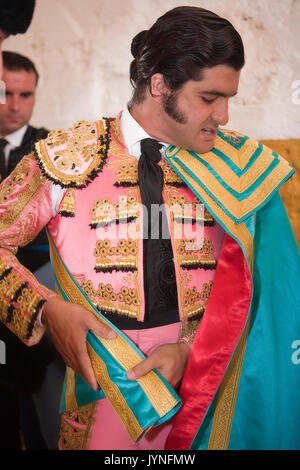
x=12 y=128
x=203 y=148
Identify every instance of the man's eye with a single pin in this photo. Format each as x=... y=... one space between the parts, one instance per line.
x=206 y=100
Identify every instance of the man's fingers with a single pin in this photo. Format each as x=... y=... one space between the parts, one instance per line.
x=142 y=368
x=85 y=369
x=68 y=325
x=88 y=375
x=102 y=330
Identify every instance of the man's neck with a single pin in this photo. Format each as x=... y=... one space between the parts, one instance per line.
x=148 y=115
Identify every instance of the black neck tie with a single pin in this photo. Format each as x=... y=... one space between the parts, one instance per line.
x=159 y=273
x=3 y=143
x=150 y=174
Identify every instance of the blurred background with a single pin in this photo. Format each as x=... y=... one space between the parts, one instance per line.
x=82 y=52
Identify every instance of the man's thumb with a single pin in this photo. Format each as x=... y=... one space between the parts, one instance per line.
x=141 y=369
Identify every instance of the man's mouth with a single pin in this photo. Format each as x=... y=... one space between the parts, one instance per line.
x=13 y=118
x=209 y=132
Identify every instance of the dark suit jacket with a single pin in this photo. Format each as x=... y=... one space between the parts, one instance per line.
x=31 y=136
x=36 y=254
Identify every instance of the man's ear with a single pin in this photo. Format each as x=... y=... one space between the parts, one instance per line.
x=158 y=87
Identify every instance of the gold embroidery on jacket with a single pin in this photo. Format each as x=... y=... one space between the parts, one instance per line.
x=188 y=254
x=125 y=302
x=193 y=256
x=122 y=257
x=188 y=212
x=67 y=208
x=76 y=426
x=105 y=213
x=127 y=175
x=11 y=209
x=188 y=329
x=170 y=176
x=116 y=131
x=195 y=302
x=70 y=398
x=19 y=304
x=72 y=151
x=68 y=157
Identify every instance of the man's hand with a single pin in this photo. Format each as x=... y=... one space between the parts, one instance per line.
x=68 y=325
x=169 y=359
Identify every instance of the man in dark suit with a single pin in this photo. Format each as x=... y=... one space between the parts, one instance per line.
x=25 y=369
x=17 y=135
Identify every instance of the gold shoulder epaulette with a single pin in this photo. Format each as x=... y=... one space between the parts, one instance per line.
x=73 y=158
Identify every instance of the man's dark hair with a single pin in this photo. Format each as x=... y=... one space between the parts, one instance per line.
x=14 y=61
x=16 y=15
x=180 y=45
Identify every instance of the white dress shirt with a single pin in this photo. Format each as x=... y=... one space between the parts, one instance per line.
x=133 y=133
x=14 y=140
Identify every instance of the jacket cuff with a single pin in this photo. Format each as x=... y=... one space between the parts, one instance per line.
x=21 y=304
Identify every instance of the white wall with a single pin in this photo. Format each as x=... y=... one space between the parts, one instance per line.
x=82 y=51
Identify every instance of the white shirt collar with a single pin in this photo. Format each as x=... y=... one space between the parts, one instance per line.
x=131 y=130
x=15 y=138
x=133 y=133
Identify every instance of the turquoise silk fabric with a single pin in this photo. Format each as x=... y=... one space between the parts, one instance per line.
x=267 y=408
x=137 y=400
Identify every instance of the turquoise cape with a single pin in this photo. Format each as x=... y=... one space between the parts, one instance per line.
x=244 y=395
x=267 y=409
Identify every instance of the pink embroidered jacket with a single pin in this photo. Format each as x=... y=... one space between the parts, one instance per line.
x=98 y=228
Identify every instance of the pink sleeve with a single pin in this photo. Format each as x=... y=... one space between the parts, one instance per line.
x=25 y=208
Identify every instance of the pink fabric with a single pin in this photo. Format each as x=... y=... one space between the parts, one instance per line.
x=108 y=432
x=80 y=232
x=22 y=217
x=70 y=232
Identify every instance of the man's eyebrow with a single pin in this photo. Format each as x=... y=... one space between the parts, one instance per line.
x=218 y=93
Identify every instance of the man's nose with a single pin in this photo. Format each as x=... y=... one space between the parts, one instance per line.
x=14 y=103
x=220 y=113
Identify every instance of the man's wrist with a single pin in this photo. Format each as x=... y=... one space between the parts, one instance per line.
x=42 y=317
x=187 y=340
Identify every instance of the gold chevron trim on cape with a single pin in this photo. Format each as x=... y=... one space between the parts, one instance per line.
x=155 y=390
x=239 y=231
x=239 y=173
